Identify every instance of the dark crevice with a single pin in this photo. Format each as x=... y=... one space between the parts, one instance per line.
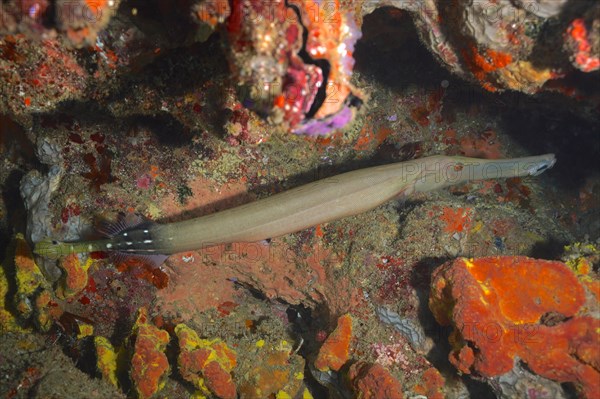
x=167 y=129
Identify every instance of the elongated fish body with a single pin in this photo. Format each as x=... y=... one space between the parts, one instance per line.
x=322 y=201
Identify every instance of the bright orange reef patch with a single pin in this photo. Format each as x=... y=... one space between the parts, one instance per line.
x=96 y=5
x=507 y=307
x=336 y=349
x=149 y=364
x=498 y=277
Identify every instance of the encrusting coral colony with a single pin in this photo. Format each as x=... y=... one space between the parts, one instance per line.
x=444 y=265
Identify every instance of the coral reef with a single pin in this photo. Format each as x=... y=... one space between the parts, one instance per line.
x=29 y=278
x=39 y=368
x=41 y=75
x=80 y=21
x=206 y=363
x=8 y=322
x=304 y=82
x=290 y=77
x=493 y=43
x=335 y=351
x=166 y=111
x=106 y=360
x=293 y=62
x=373 y=381
x=431 y=385
x=278 y=371
x=296 y=279
x=520 y=379
x=581 y=44
x=407 y=327
x=581 y=257
x=37 y=189
x=33 y=295
x=149 y=364
x=504 y=308
x=75 y=277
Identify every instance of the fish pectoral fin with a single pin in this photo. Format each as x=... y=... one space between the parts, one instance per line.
x=123 y=223
x=154 y=260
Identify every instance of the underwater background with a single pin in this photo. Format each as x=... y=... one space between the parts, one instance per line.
x=168 y=111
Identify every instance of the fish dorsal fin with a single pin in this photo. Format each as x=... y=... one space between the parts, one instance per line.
x=123 y=223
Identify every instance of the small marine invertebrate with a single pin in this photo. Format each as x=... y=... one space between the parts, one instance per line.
x=508 y=307
x=373 y=381
x=302 y=207
x=149 y=364
x=335 y=351
x=206 y=363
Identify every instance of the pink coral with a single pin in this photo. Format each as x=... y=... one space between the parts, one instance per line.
x=144 y=181
x=388 y=355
